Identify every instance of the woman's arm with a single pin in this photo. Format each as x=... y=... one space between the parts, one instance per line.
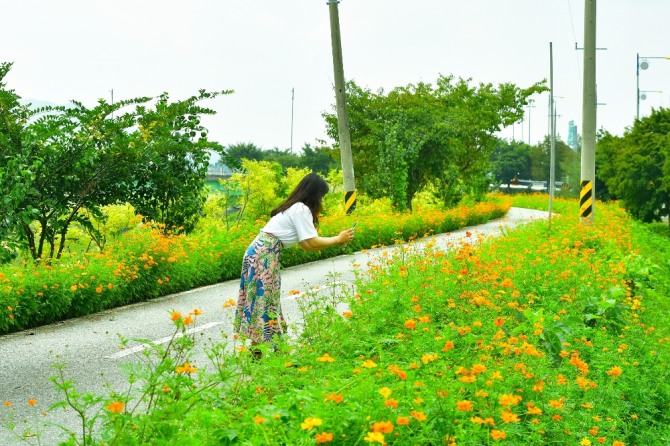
x=319 y=243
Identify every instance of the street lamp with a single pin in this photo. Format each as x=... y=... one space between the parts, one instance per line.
x=644 y=65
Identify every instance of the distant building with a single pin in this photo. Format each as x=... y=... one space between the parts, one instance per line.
x=573 y=136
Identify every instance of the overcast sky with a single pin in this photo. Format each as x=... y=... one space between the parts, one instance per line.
x=84 y=49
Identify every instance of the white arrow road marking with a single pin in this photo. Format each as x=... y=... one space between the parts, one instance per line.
x=139 y=348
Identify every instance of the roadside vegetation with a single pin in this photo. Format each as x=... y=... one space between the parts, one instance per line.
x=535 y=337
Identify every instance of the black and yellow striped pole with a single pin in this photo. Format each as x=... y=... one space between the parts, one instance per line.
x=587 y=193
x=341 y=103
x=586 y=200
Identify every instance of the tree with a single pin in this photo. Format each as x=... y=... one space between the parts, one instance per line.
x=59 y=165
x=636 y=166
x=245 y=150
x=17 y=170
x=422 y=134
x=64 y=161
x=285 y=157
x=169 y=179
x=510 y=160
x=320 y=159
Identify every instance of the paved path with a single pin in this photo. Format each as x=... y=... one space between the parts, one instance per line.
x=89 y=346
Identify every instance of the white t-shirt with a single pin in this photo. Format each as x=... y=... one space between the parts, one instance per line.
x=292 y=226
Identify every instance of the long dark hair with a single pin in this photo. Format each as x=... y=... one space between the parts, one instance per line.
x=309 y=191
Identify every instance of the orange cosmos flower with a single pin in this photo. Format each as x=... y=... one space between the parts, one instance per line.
x=186 y=368
x=509 y=400
x=510 y=417
x=7 y=403
x=259 y=420
x=448 y=346
x=32 y=402
x=507 y=283
x=479 y=420
x=558 y=404
x=420 y=416
x=188 y=320
x=533 y=409
x=335 y=397
x=464 y=405
x=402 y=421
x=116 y=407
x=196 y=312
x=477 y=369
x=498 y=435
x=347 y=314
x=618 y=443
x=385 y=427
x=424 y=319
x=615 y=371
x=175 y=315
x=499 y=321
x=392 y=403
x=229 y=303
x=323 y=437
x=410 y=323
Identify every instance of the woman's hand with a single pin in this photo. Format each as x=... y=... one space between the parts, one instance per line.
x=346 y=236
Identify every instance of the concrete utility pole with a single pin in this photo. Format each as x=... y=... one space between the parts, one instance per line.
x=587 y=192
x=552 y=110
x=341 y=103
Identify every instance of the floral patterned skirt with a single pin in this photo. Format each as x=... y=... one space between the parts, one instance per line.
x=258 y=316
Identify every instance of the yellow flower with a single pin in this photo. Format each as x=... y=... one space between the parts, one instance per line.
x=310 y=423
x=585 y=442
x=325 y=358
x=369 y=364
x=385 y=392
x=375 y=437
x=229 y=303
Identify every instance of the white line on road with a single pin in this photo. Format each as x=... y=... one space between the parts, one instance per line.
x=139 y=348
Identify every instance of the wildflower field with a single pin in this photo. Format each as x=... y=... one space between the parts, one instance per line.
x=147 y=262
x=540 y=336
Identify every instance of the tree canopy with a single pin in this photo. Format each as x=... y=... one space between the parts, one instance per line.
x=421 y=134
x=58 y=162
x=636 y=166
